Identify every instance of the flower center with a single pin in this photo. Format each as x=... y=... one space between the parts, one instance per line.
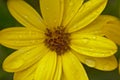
x=57 y=40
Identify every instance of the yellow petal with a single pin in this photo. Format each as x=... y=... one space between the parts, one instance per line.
x=46 y=67
x=52 y=11
x=96 y=27
x=24 y=58
x=72 y=68
x=27 y=74
x=105 y=64
x=25 y=14
x=71 y=7
x=92 y=45
x=112 y=29
x=18 y=37
x=58 y=71
x=89 y=11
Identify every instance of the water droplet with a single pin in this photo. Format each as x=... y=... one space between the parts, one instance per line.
x=20 y=36
x=94 y=37
x=90 y=62
x=92 y=49
x=16 y=64
x=55 y=21
x=26 y=16
x=71 y=3
x=106 y=67
x=47 y=8
x=85 y=40
x=103 y=54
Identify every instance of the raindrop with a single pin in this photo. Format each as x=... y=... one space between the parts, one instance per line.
x=55 y=21
x=106 y=67
x=102 y=54
x=91 y=49
x=85 y=40
x=16 y=64
x=20 y=36
x=47 y=8
x=94 y=37
x=71 y=3
x=90 y=62
x=26 y=16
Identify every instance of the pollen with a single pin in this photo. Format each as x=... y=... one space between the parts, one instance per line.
x=57 y=40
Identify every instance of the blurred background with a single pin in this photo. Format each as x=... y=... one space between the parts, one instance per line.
x=6 y=20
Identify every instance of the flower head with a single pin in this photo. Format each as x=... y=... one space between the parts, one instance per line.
x=53 y=45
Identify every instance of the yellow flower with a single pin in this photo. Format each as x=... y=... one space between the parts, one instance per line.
x=112 y=30
x=52 y=46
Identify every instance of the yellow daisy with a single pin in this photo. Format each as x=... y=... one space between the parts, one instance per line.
x=52 y=46
x=112 y=30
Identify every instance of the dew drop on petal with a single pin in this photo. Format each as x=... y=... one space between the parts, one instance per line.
x=20 y=36
x=55 y=21
x=103 y=54
x=91 y=49
x=16 y=64
x=106 y=67
x=71 y=3
x=85 y=40
x=90 y=62
x=26 y=16
x=47 y=8
x=94 y=37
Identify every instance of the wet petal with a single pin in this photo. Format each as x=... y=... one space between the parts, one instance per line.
x=87 y=13
x=70 y=9
x=24 y=58
x=72 y=68
x=46 y=67
x=58 y=71
x=27 y=74
x=112 y=29
x=25 y=14
x=92 y=45
x=52 y=11
x=18 y=37
x=96 y=27
x=105 y=64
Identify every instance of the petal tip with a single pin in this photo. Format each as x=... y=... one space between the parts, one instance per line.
x=12 y=66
